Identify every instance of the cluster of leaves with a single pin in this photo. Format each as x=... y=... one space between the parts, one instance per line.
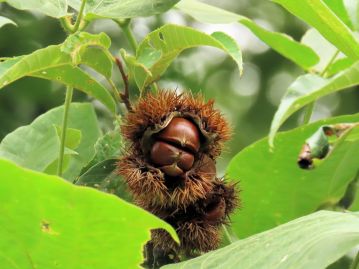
x=39 y=211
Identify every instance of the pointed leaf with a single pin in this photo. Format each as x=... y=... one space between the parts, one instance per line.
x=339 y=8
x=352 y=7
x=308 y=88
x=162 y=46
x=283 y=44
x=77 y=78
x=47 y=63
x=311 y=242
x=53 y=8
x=4 y=21
x=317 y=14
x=115 y=9
x=276 y=190
x=48 y=223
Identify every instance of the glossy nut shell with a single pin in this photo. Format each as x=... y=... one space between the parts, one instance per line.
x=163 y=154
x=182 y=132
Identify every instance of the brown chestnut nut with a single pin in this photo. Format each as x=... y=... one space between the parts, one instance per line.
x=182 y=132
x=165 y=154
x=176 y=144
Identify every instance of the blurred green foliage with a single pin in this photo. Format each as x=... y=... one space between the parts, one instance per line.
x=248 y=102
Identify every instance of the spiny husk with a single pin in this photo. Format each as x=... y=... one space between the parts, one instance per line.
x=148 y=184
x=154 y=109
x=194 y=237
x=196 y=233
x=197 y=210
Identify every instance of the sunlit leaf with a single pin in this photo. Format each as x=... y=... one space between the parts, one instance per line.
x=159 y=48
x=339 y=8
x=122 y=9
x=4 y=21
x=352 y=7
x=324 y=49
x=308 y=88
x=37 y=145
x=48 y=223
x=276 y=190
x=53 y=8
x=283 y=44
x=52 y=63
x=310 y=242
x=339 y=65
x=317 y=14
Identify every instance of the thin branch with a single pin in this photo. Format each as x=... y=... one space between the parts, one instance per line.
x=125 y=96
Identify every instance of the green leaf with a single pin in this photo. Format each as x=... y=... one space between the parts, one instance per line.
x=77 y=43
x=283 y=44
x=159 y=48
x=308 y=88
x=52 y=63
x=352 y=7
x=49 y=223
x=276 y=190
x=4 y=21
x=37 y=145
x=77 y=78
x=325 y=50
x=103 y=176
x=53 y=8
x=122 y=9
x=311 y=242
x=320 y=16
x=97 y=60
x=339 y=65
x=73 y=136
x=339 y=8
x=108 y=146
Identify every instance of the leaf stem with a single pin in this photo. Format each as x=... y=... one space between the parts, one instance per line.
x=310 y=107
x=68 y=98
x=125 y=96
x=125 y=26
x=79 y=17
